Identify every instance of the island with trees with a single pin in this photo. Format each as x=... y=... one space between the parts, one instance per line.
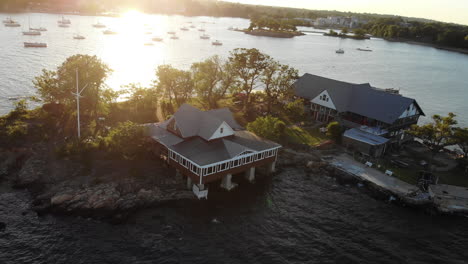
x=273 y=27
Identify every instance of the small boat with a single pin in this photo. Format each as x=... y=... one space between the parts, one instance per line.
x=35 y=45
x=38 y=29
x=64 y=21
x=78 y=37
x=64 y=25
x=148 y=33
x=363 y=49
x=32 y=33
x=184 y=29
x=192 y=26
x=157 y=39
x=216 y=43
x=205 y=36
x=109 y=32
x=8 y=20
x=230 y=28
x=174 y=37
x=99 y=25
x=340 y=51
x=201 y=30
x=14 y=24
x=149 y=44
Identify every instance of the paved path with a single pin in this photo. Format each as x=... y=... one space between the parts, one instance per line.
x=347 y=163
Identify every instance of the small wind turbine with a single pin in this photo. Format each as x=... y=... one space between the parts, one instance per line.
x=78 y=96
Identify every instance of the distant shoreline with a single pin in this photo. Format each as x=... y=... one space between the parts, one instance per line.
x=412 y=42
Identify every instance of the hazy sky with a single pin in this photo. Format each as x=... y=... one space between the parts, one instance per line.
x=442 y=10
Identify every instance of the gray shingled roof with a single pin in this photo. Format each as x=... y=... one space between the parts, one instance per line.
x=205 y=152
x=194 y=122
x=361 y=99
x=196 y=126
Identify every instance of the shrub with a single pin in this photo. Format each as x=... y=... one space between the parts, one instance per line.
x=126 y=140
x=268 y=127
x=334 y=131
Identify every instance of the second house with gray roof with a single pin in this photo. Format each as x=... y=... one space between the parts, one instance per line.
x=381 y=116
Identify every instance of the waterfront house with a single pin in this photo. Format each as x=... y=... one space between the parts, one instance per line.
x=207 y=146
x=374 y=118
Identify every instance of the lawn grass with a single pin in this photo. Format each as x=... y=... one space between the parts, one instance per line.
x=299 y=135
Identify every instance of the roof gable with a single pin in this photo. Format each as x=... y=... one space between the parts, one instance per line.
x=324 y=99
x=362 y=99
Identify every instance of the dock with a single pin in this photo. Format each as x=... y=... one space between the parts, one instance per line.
x=449 y=198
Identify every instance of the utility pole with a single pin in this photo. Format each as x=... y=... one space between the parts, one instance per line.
x=78 y=95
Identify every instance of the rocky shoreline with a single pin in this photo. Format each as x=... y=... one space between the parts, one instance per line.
x=272 y=34
x=106 y=191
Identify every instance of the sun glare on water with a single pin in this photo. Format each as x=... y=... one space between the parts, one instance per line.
x=134 y=29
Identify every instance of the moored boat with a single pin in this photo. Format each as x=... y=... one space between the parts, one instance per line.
x=157 y=39
x=35 y=45
x=64 y=25
x=32 y=33
x=174 y=37
x=205 y=36
x=217 y=43
x=340 y=51
x=99 y=25
x=360 y=49
x=109 y=32
x=64 y=21
x=171 y=32
x=38 y=29
x=184 y=29
x=79 y=37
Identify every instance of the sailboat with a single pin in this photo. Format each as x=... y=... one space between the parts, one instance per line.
x=64 y=21
x=99 y=25
x=340 y=50
x=216 y=43
x=35 y=45
x=205 y=36
x=8 y=22
x=42 y=29
x=31 y=32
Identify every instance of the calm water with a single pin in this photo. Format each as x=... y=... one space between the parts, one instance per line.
x=290 y=218
x=436 y=78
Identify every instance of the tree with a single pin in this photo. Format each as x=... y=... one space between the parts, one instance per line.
x=436 y=135
x=212 y=80
x=295 y=110
x=58 y=86
x=334 y=131
x=173 y=84
x=344 y=31
x=248 y=66
x=359 y=32
x=268 y=127
x=278 y=80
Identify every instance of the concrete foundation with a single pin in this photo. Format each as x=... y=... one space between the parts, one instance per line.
x=227 y=183
x=271 y=167
x=250 y=174
x=189 y=183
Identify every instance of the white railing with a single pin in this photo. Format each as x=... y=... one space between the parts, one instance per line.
x=222 y=165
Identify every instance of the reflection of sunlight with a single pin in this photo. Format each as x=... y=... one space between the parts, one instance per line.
x=130 y=59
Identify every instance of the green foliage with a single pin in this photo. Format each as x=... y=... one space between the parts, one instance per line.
x=212 y=80
x=57 y=87
x=295 y=110
x=267 y=127
x=359 y=32
x=273 y=24
x=437 y=134
x=126 y=140
x=248 y=65
x=451 y=35
x=278 y=80
x=344 y=31
x=332 y=33
x=173 y=84
x=334 y=131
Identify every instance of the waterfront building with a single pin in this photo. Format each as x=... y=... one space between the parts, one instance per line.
x=208 y=146
x=374 y=117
